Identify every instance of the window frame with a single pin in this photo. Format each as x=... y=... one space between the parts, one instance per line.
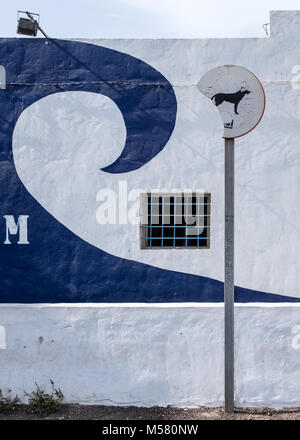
x=144 y=214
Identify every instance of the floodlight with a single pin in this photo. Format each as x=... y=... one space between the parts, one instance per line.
x=29 y=26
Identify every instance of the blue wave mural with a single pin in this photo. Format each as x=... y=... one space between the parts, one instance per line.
x=58 y=266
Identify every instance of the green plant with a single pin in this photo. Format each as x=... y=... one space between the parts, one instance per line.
x=40 y=402
x=7 y=403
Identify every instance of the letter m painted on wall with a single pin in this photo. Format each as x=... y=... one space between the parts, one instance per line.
x=13 y=228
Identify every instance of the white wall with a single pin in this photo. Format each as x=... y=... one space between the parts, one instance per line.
x=152 y=355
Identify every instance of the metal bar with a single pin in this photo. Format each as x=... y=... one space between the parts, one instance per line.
x=192 y=204
x=229 y=276
x=39 y=27
x=150 y=220
x=177 y=238
x=162 y=221
x=174 y=214
x=198 y=243
x=44 y=33
x=174 y=227
x=180 y=215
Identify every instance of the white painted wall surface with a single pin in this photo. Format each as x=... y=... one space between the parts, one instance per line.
x=152 y=355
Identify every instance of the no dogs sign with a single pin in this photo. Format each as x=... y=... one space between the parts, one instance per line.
x=238 y=95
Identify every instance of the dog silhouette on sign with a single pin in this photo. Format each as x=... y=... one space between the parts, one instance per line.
x=233 y=98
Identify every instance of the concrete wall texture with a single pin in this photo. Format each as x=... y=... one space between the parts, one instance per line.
x=82 y=303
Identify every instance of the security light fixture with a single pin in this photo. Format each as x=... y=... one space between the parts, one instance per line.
x=29 y=26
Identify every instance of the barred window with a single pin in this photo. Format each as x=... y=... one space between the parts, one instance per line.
x=170 y=221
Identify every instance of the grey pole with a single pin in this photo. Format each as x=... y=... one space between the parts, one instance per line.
x=229 y=276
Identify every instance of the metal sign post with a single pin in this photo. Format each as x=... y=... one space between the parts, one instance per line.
x=240 y=99
x=229 y=276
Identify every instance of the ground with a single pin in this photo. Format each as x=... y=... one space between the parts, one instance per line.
x=100 y=412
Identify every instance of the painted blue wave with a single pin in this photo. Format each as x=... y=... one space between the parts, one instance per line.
x=58 y=266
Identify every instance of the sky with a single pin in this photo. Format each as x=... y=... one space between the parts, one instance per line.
x=146 y=18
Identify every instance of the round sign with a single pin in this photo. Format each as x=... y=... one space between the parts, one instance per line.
x=238 y=95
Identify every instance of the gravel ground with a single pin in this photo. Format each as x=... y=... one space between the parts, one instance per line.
x=100 y=412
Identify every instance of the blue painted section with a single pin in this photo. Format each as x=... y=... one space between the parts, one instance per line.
x=143 y=95
x=58 y=266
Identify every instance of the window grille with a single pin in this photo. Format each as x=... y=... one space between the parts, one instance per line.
x=172 y=221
